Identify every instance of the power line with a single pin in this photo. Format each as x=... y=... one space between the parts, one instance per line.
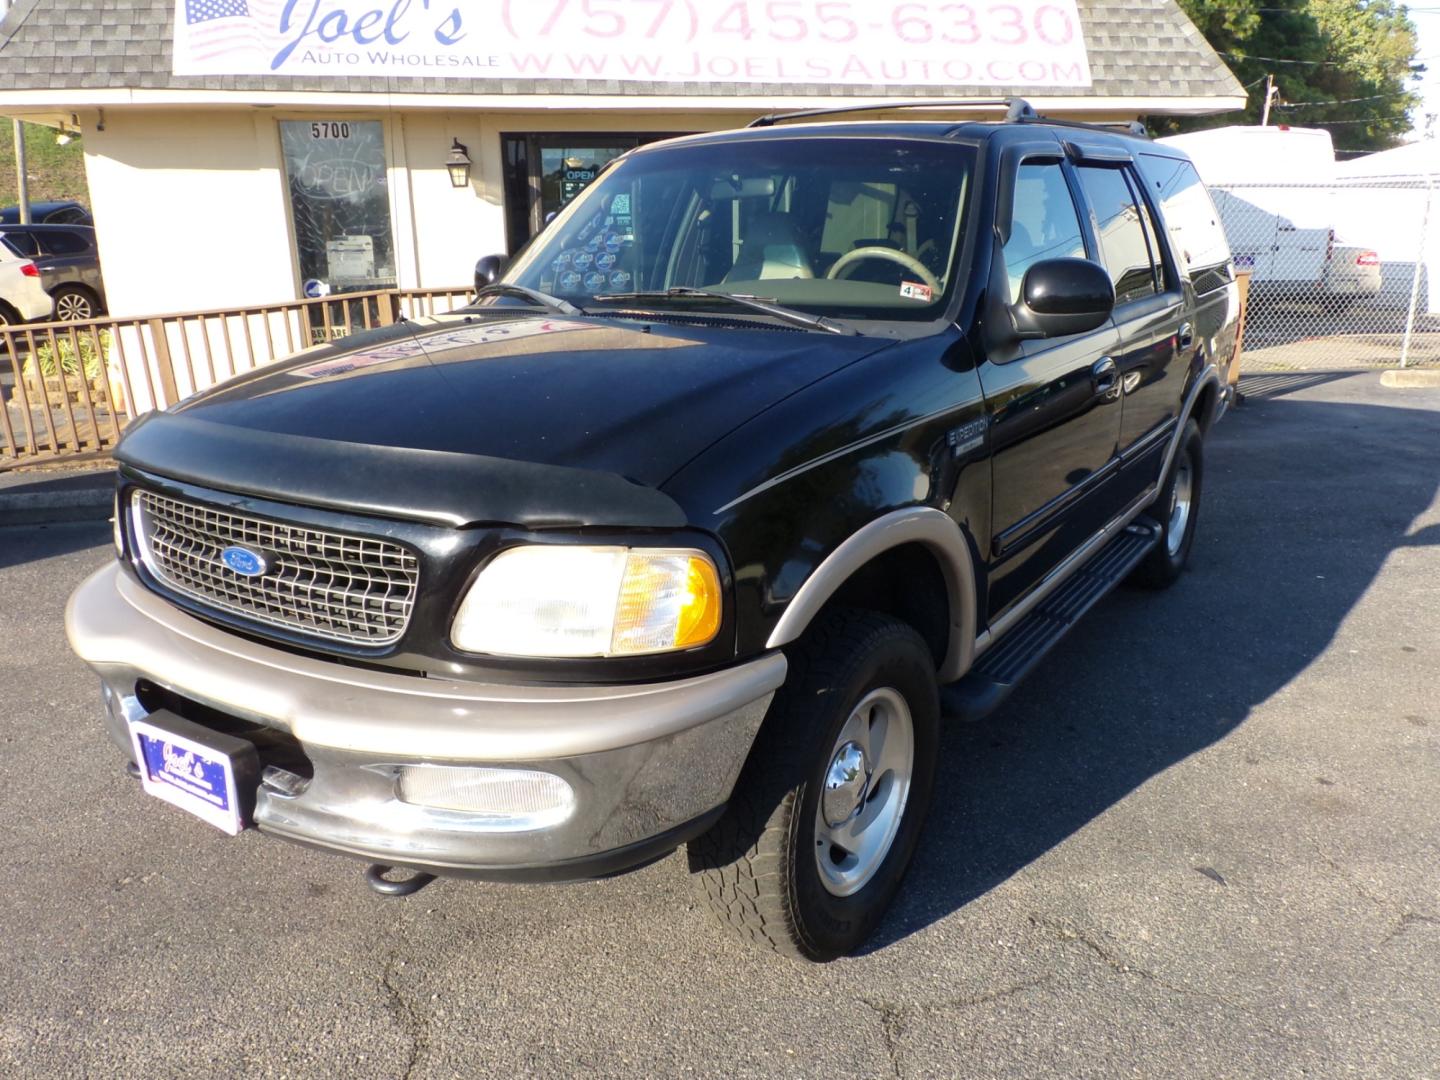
x=1278 y=59
x=1342 y=101
x=1315 y=63
x=1361 y=120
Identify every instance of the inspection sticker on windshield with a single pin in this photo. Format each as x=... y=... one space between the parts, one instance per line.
x=913 y=290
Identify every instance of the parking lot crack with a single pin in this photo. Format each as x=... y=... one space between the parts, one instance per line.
x=1122 y=965
x=892 y=1022
x=1408 y=919
x=893 y=1017
x=412 y=1020
x=1384 y=903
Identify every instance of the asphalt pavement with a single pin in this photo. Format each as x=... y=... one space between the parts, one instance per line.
x=1202 y=841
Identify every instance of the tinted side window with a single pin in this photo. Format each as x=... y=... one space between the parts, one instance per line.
x=1123 y=245
x=1044 y=225
x=22 y=243
x=72 y=215
x=1196 y=233
x=65 y=243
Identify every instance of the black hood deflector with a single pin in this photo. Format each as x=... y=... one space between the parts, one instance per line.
x=457 y=490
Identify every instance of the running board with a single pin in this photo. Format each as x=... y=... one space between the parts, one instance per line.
x=1001 y=667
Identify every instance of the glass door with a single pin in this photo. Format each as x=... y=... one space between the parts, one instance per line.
x=544 y=173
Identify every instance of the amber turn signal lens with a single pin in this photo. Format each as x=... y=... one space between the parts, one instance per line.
x=700 y=609
x=668 y=600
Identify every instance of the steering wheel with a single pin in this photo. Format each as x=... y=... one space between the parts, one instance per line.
x=909 y=262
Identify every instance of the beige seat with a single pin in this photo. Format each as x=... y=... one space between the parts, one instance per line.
x=771 y=249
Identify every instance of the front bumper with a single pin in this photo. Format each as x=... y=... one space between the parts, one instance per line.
x=647 y=765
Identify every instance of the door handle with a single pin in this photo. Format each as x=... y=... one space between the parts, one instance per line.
x=1186 y=336
x=1105 y=377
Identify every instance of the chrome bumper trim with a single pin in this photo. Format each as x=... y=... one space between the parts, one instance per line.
x=644 y=762
x=117 y=625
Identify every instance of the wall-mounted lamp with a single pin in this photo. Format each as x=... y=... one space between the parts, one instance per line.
x=458 y=164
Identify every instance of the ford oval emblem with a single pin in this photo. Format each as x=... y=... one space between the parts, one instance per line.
x=245 y=562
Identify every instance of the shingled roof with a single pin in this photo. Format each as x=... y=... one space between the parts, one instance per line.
x=1138 y=49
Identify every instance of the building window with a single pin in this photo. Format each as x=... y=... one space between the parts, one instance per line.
x=340 y=204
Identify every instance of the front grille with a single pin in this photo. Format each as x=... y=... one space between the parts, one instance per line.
x=323 y=584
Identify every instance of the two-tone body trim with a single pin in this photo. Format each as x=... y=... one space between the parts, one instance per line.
x=919 y=525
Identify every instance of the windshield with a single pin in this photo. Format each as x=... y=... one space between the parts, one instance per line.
x=847 y=228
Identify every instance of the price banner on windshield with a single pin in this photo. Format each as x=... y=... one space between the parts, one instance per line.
x=1024 y=43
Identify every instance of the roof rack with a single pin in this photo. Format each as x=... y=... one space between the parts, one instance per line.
x=1015 y=109
x=1129 y=127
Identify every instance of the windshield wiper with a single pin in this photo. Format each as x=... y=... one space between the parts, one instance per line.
x=752 y=303
x=535 y=296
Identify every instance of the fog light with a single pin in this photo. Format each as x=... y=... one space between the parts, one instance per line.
x=516 y=799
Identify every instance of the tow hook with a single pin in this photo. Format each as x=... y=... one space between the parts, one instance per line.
x=376 y=879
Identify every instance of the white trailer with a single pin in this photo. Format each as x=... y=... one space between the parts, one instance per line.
x=1275 y=190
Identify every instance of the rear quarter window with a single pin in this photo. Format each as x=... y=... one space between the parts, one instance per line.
x=1196 y=234
x=21 y=243
x=65 y=243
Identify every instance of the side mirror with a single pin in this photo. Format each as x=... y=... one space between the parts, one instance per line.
x=489 y=269
x=1062 y=296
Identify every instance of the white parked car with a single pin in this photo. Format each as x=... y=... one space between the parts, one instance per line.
x=1352 y=272
x=1283 y=237
x=22 y=296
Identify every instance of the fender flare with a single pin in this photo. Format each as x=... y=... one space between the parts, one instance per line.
x=925 y=525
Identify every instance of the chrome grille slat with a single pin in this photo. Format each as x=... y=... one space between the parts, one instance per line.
x=323 y=584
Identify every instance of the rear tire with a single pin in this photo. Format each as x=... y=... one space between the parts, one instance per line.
x=1177 y=511
x=74 y=303
x=845 y=760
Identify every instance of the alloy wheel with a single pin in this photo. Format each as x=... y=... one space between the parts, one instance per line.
x=865 y=790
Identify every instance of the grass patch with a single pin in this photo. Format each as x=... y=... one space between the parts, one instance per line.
x=56 y=172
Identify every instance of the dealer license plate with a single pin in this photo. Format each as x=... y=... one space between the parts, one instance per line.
x=188 y=774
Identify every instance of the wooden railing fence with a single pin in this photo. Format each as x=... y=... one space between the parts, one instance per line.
x=68 y=389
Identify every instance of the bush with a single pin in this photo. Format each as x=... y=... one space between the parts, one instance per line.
x=63 y=348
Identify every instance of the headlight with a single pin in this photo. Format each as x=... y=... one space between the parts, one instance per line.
x=590 y=601
x=116 y=527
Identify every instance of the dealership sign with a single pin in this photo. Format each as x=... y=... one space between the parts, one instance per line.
x=1023 y=43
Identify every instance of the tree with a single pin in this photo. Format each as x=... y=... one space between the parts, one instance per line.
x=1323 y=54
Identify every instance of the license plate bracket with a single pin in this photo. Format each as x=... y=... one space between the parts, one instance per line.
x=206 y=773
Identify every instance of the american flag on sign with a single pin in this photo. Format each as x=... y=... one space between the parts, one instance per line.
x=228 y=28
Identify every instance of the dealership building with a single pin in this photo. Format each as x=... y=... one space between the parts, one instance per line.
x=248 y=152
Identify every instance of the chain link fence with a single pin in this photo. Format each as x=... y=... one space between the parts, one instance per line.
x=1343 y=274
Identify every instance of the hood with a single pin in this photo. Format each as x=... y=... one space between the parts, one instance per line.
x=631 y=398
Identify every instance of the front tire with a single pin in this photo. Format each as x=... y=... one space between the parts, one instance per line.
x=1177 y=511
x=828 y=810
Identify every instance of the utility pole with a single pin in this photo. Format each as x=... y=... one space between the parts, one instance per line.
x=1270 y=93
x=22 y=180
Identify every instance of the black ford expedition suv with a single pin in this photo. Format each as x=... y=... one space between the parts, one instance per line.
x=773 y=449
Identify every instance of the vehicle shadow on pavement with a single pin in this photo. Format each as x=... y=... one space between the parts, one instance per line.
x=1304 y=501
x=30 y=543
